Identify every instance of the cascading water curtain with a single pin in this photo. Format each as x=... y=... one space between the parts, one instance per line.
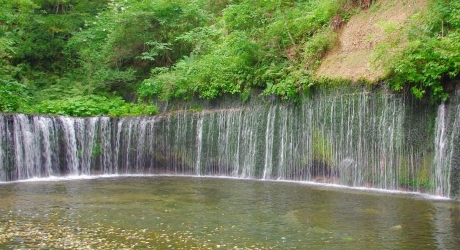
x=355 y=139
x=454 y=156
x=2 y=148
x=446 y=161
x=441 y=169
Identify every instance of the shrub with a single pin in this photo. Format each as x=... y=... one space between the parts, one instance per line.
x=93 y=105
x=13 y=95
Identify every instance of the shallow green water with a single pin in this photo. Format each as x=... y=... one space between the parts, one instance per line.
x=186 y=213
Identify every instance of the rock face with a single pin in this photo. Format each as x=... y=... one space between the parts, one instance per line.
x=352 y=56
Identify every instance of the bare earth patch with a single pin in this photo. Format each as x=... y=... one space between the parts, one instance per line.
x=351 y=58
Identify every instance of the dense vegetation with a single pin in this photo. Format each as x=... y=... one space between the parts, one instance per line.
x=425 y=55
x=113 y=57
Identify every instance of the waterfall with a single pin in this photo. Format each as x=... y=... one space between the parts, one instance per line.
x=354 y=139
x=70 y=133
x=199 y=143
x=269 y=132
x=440 y=166
x=3 y=168
x=446 y=160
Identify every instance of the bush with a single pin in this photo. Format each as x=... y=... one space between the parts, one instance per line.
x=250 y=48
x=13 y=96
x=93 y=105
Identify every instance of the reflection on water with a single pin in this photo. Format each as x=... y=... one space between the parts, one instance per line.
x=182 y=212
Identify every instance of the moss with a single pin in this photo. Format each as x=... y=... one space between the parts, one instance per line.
x=424 y=175
x=322 y=150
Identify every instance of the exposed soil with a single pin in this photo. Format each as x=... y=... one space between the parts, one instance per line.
x=352 y=56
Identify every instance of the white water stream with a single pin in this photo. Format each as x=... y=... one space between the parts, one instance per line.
x=361 y=140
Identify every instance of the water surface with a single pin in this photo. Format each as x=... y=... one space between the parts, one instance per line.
x=184 y=212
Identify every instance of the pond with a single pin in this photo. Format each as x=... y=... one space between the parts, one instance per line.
x=167 y=212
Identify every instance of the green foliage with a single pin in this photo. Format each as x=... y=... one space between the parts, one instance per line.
x=164 y=49
x=224 y=70
x=122 y=44
x=14 y=92
x=425 y=63
x=292 y=86
x=13 y=96
x=82 y=106
x=55 y=52
x=250 y=48
x=430 y=57
x=317 y=46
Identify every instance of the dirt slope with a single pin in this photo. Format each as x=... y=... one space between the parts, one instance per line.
x=351 y=58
